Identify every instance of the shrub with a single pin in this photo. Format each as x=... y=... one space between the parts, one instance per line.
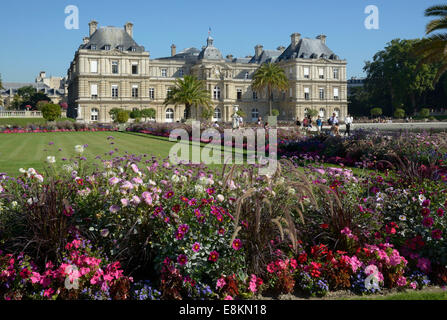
x=399 y=113
x=134 y=114
x=424 y=112
x=148 y=113
x=51 y=112
x=376 y=112
x=122 y=116
x=275 y=112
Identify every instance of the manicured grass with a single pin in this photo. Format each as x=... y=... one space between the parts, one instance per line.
x=21 y=122
x=30 y=150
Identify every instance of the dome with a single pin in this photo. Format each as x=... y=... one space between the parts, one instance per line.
x=210 y=52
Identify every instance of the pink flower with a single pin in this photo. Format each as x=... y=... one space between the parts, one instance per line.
x=402 y=281
x=135 y=168
x=271 y=267
x=214 y=256
x=426 y=203
x=114 y=180
x=228 y=298
x=413 y=285
x=196 y=247
x=184 y=228
x=237 y=244
x=220 y=283
x=355 y=263
x=371 y=269
x=147 y=198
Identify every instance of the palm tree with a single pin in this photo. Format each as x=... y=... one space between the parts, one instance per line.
x=189 y=91
x=271 y=77
x=433 y=50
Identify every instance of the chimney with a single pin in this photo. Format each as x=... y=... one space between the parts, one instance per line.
x=230 y=57
x=258 y=50
x=322 y=37
x=281 y=48
x=173 y=50
x=86 y=40
x=295 y=38
x=93 y=25
x=129 y=29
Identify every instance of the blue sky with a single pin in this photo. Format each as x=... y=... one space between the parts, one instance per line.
x=34 y=37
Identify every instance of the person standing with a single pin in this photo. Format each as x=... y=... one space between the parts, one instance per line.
x=319 y=124
x=348 y=122
x=241 y=121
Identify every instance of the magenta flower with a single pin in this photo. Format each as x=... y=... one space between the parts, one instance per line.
x=436 y=234
x=168 y=195
x=428 y=222
x=214 y=256
x=425 y=212
x=440 y=212
x=426 y=203
x=196 y=247
x=184 y=228
x=182 y=259
x=237 y=244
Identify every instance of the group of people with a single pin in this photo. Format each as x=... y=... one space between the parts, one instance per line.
x=333 y=122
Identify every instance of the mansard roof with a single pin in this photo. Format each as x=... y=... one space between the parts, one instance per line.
x=266 y=56
x=113 y=37
x=308 y=49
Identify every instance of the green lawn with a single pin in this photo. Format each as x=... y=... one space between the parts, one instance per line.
x=426 y=294
x=21 y=122
x=30 y=150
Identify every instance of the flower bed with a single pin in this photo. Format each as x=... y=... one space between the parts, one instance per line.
x=189 y=232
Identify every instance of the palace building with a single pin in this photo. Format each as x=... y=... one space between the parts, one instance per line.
x=110 y=70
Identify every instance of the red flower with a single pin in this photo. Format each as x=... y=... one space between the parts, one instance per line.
x=324 y=226
x=182 y=259
x=214 y=255
x=302 y=258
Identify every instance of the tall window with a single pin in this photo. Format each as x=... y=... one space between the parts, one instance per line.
x=239 y=94
x=336 y=71
x=152 y=93
x=169 y=115
x=321 y=73
x=168 y=92
x=114 y=91
x=306 y=72
x=306 y=93
x=115 y=67
x=321 y=93
x=337 y=112
x=306 y=111
x=217 y=115
x=254 y=114
x=135 y=91
x=134 y=67
x=164 y=73
x=180 y=73
x=94 y=66
x=94 y=114
x=290 y=93
x=216 y=93
x=93 y=47
x=107 y=47
x=255 y=95
x=94 y=91
x=336 y=94
x=246 y=75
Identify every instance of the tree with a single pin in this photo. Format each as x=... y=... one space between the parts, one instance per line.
x=394 y=79
x=376 y=112
x=114 y=113
x=135 y=114
x=191 y=92
x=26 y=92
x=312 y=113
x=271 y=77
x=399 y=113
x=41 y=104
x=434 y=48
x=275 y=112
x=122 y=116
x=359 y=102
x=51 y=111
x=148 y=113
x=424 y=113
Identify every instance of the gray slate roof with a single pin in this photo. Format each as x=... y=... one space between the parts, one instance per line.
x=11 y=88
x=114 y=37
x=189 y=54
x=210 y=52
x=266 y=56
x=308 y=49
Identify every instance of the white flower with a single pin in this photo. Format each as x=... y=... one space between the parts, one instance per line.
x=14 y=204
x=51 y=159
x=152 y=183
x=67 y=168
x=199 y=188
x=183 y=179
x=175 y=178
x=281 y=180
x=1 y=189
x=402 y=218
x=79 y=148
x=21 y=170
x=39 y=178
x=220 y=197
x=291 y=191
x=31 y=172
x=421 y=198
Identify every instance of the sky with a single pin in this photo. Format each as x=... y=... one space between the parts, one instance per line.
x=34 y=37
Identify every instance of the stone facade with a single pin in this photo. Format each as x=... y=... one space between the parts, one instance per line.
x=110 y=70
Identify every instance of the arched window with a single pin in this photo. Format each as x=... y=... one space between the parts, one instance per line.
x=94 y=114
x=217 y=115
x=169 y=115
x=322 y=113
x=254 y=114
x=216 y=93
x=306 y=111
x=337 y=112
